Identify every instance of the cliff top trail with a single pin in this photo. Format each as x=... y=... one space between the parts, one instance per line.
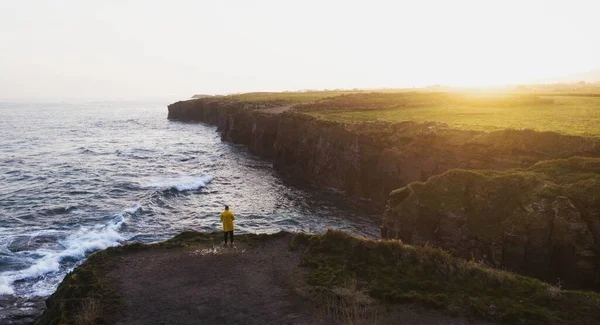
x=245 y=284
x=334 y=278
x=211 y=285
x=255 y=282
x=278 y=109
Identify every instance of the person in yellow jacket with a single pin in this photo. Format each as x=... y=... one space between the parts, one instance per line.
x=227 y=218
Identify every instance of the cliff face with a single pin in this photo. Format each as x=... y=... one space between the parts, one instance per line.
x=372 y=159
x=542 y=221
x=204 y=110
x=329 y=154
x=241 y=123
x=257 y=130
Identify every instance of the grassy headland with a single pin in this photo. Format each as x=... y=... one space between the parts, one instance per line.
x=573 y=115
x=343 y=268
x=572 y=111
x=395 y=273
x=291 y=97
x=540 y=221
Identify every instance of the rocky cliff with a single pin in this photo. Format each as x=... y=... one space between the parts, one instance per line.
x=542 y=221
x=333 y=278
x=371 y=159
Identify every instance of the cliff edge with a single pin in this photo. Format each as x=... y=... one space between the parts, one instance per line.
x=542 y=221
x=333 y=278
x=370 y=159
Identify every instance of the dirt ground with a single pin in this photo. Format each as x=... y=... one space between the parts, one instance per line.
x=278 y=109
x=228 y=285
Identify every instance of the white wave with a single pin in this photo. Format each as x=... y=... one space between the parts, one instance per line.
x=5 y=288
x=185 y=183
x=133 y=210
x=76 y=246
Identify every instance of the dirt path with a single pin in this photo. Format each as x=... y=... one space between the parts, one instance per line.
x=222 y=285
x=278 y=109
x=219 y=285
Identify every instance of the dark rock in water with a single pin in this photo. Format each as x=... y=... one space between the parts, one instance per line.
x=543 y=221
x=20 y=311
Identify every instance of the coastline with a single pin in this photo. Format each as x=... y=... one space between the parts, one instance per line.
x=373 y=159
x=191 y=275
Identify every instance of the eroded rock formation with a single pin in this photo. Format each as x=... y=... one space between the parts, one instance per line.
x=542 y=221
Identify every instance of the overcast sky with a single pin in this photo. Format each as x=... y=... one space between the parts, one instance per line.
x=123 y=49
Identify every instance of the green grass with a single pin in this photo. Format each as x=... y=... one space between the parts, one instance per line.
x=84 y=284
x=550 y=200
x=573 y=112
x=397 y=273
x=573 y=115
x=577 y=178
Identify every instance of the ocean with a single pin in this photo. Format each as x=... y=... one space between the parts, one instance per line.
x=80 y=177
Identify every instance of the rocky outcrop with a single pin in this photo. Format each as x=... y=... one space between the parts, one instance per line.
x=283 y=278
x=371 y=159
x=543 y=221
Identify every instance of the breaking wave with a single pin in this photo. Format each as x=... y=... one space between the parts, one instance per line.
x=182 y=184
x=74 y=248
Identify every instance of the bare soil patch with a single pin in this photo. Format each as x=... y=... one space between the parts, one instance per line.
x=251 y=283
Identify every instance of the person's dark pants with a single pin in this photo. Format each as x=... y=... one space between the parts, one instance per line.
x=230 y=234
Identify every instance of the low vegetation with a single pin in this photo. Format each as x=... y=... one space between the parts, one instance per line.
x=575 y=178
x=350 y=279
x=89 y=312
x=395 y=273
x=84 y=297
x=572 y=111
x=574 y=115
x=345 y=305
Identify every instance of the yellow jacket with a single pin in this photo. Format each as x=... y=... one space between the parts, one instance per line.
x=227 y=218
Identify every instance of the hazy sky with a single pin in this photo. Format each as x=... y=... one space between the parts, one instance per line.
x=63 y=49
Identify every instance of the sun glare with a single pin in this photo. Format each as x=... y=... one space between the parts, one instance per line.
x=75 y=49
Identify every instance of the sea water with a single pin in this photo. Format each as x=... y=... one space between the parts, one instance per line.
x=80 y=177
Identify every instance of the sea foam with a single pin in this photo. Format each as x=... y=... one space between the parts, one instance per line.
x=76 y=246
x=5 y=288
x=181 y=184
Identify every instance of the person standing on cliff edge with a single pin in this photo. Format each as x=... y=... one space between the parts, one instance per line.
x=227 y=218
